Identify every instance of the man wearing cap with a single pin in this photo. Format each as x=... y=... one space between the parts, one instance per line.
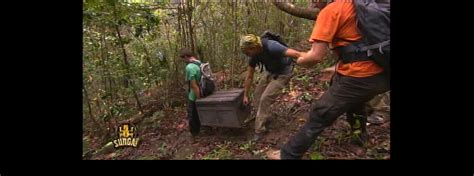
x=278 y=67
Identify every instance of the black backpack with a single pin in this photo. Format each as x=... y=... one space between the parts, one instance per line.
x=373 y=23
x=273 y=36
x=268 y=35
x=206 y=83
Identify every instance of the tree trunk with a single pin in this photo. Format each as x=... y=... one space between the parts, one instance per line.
x=181 y=39
x=125 y=58
x=265 y=19
x=290 y=8
x=147 y=54
x=103 y=56
x=181 y=30
x=127 y=65
x=168 y=82
x=247 y=19
x=234 y=45
x=91 y=115
x=149 y=73
x=122 y=46
x=189 y=11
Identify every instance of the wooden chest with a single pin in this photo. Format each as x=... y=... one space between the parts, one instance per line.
x=223 y=109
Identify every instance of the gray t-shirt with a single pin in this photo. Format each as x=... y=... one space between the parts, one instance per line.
x=273 y=58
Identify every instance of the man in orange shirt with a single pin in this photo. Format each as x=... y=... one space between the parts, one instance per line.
x=354 y=84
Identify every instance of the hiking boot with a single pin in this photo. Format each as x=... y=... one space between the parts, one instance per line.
x=251 y=118
x=194 y=134
x=375 y=119
x=258 y=136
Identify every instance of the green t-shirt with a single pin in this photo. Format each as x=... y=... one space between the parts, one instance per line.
x=193 y=72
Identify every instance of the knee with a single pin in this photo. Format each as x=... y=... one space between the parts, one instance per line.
x=266 y=99
x=322 y=115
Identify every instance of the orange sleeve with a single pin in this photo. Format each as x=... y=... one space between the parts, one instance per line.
x=326 y=25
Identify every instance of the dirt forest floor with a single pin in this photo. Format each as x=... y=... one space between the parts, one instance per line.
x=165 y=135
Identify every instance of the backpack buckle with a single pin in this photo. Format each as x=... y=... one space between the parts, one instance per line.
x=380 y=49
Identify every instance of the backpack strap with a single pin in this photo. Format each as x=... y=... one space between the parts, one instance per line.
x=265 y=48
x=352 y=48
x=351 y=53
x=288 y=61
x=273 y=36
x=200 y=78
x=358 y=51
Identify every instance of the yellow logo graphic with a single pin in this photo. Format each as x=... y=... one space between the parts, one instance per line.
x=127 y=136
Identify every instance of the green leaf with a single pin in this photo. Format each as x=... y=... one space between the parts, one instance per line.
x=90 y=3
x=316 y=156
x=105 y=117
x=158 y=114
x=111 y=2
x=357 y=124
x=356 y=132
